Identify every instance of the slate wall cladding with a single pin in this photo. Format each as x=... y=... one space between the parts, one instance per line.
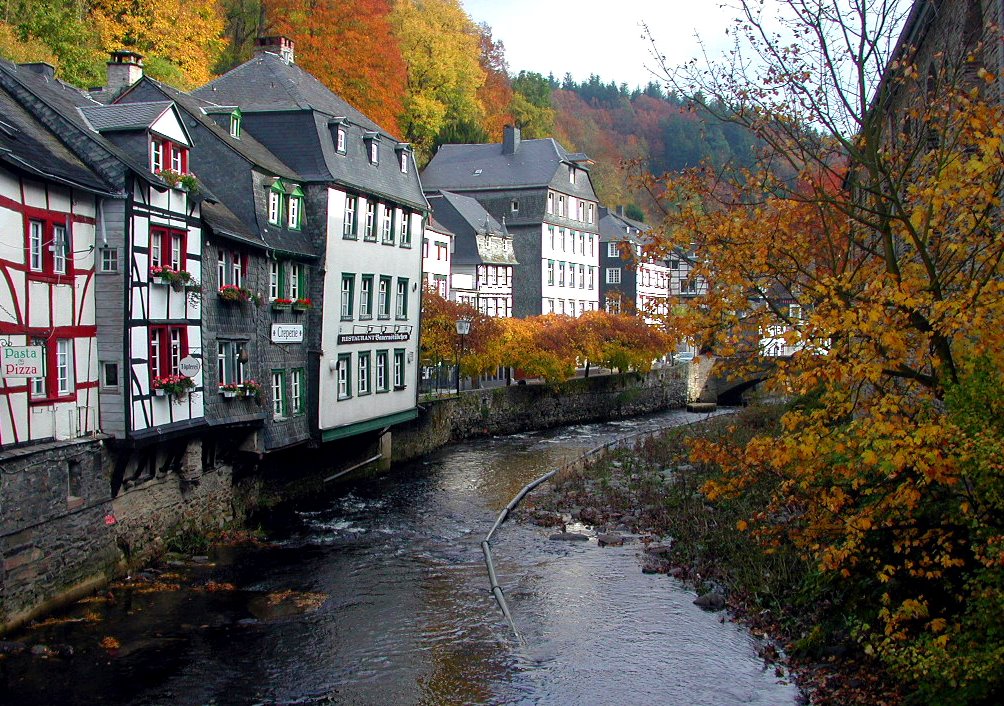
x=526 y=278
x=519 y=408
x=53 y=537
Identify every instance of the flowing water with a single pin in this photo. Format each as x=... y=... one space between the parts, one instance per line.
x=407 y=617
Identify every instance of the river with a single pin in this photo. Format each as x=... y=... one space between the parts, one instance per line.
x=401 y=610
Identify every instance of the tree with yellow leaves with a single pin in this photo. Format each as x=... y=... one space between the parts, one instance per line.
x=869 y=233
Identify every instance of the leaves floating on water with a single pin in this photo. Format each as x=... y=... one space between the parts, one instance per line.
x=110 y=643
x=218 y=586
x=302 y=600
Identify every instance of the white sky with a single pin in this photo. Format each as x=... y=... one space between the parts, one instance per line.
x=586 y=37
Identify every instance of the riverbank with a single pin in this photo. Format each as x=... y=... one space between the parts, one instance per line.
x=653 y=489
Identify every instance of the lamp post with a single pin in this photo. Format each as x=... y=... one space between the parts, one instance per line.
x=463 y=328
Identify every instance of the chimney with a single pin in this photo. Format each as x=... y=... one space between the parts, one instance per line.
x=124 y=69
x=620 y=211
x=280 y=45
x=46 y=71
x=510 y=139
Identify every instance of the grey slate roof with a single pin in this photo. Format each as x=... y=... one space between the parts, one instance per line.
x=64 y=100
x=295 y=116
x=484 y=167
x=467 y=219
x=202 y=110
x=27 y=145
x=223 y=222
x=132 y=116
x=614 y=227
x=266 y=82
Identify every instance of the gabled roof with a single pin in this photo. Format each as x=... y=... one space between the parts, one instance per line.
x=27 y=145
x=129 y=116
x=534 y=163
x=615 y=227
x=247 y=146
x=467 y=219
x=223 y=222
x=266 y=82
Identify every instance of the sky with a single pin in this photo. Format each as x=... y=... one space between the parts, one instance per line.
x=603 y=37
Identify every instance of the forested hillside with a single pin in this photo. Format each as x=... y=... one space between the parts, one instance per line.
x=421 y=68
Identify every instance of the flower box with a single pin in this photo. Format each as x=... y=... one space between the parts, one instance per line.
x=174 y=385
x=233 y=293
x=281 y=304
x=302 y=304
x=179 y=280
x=159 y=392
x=228 y=394
x=251 y=388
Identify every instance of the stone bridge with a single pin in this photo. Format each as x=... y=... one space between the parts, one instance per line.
x=714 y=380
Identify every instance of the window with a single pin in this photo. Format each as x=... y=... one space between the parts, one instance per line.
x=405 y=229
x=578 y=209
x=386 y=225
x=295 y=220
x=550 y=306
x=571 y=175
x=612 y=250
x=515 y=206
x=383 y=298
x=590 y=216
x=296 y=391
x=275 y=194
x=590 y=244
x=363 y=381
x=109 y=375
x=404 y=162
x=613 y=275
x=561 y=274
x=562 y=206
x=229 y=366
x=297 y=281
x=402 y=298
x=369 y=233
x=35 y=237
x=37 y=386
x=399 y=369
x=64 y=366
x=381 y=371
x=592 y=274
x=425 y=247
x=340 y=139
x=167 y=154
x=561 y=233
x=109 y=260
x=366 y=297
x=274 y=279
x=344 y=372
x=60 y=249
x=237 y=268
x=348 y=292
x=550 y=233
x=374 y=150
x=278 y=394
x=235 y=124
x=550 y=202
x=582 y=276
x=349 y=220
x=168 y=345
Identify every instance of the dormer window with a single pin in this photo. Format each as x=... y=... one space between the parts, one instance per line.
x=340 y=139
x=571 y=175
x=275 y=197
x=165 y=154
x=295 y=210
x=235 y=124
x=374 y=152
x=404 y=162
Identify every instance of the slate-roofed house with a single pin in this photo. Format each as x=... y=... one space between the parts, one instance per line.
x=150 y=401
x=483 y=256
x=48 y=208
x=630 y=282
x=365 y=212
x=255 y=243
x=437 y=253
x=544 y=196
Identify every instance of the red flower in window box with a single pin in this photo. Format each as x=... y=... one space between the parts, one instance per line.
x=251 y=388
x=178 y=279
x=281 y=303
x=174 y=385
x=233 y=293
x=302 y=304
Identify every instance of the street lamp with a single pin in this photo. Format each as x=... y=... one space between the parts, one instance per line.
x=463 y=328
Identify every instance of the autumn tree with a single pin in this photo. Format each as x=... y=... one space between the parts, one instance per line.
x=881 y=261
x=56 y=32
x=441 y=46
x=179 y=39
x=440 y=342
x=351 y=47
x=496 y=93
x=532 y=108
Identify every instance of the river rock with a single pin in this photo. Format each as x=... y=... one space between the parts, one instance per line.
x=610 y=540
x=712 y=600
x=590 y=515
x=654 y=566
x=661 y=551
x=545 y=518
x=569 y=537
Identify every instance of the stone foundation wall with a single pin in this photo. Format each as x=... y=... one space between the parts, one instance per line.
x=55 y=543
x=518 y=408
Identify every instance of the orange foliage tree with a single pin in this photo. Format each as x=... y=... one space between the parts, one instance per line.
x=889 y=474
x=350 y=47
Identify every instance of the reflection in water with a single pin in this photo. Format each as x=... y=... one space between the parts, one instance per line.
x=408 y=618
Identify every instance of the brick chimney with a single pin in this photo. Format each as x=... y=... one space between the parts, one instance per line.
x=510 y=139
x=124 y=69
x=280 y=45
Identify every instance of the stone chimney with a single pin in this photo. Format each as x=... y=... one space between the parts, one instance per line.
x=510 y=139
x=280 y=45
x=124 y=69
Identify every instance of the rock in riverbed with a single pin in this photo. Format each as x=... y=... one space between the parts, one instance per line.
x=610 y=540
x=712 y=600
x=569 y=537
